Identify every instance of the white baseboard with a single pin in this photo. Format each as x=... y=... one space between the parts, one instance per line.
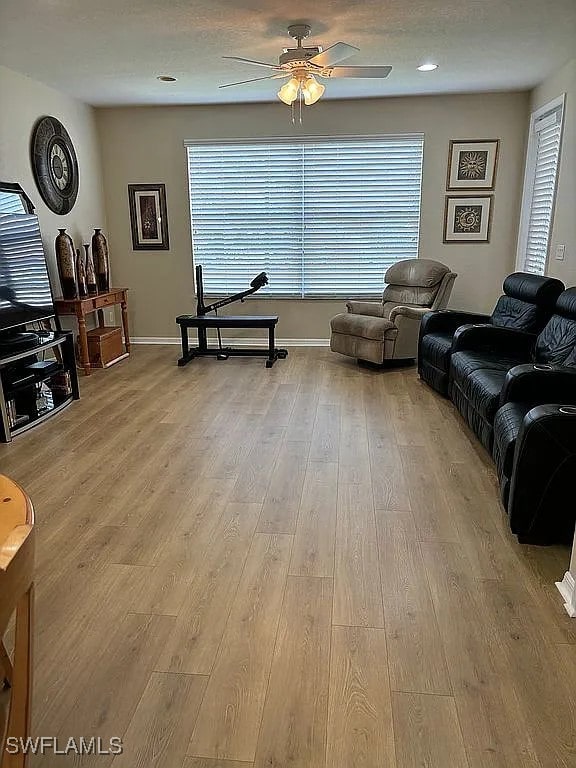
x=567 y=588
x=238 y=342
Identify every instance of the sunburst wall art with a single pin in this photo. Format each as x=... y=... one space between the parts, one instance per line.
x=472 y=164
x=467 y=219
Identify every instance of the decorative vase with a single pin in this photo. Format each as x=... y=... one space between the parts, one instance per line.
x=101 y=262
x=81 y=275
x=65 y=261
x=90 y=273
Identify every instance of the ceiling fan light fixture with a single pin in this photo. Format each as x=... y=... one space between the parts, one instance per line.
x=427 y=67
x=312 y=90
x=289 y=91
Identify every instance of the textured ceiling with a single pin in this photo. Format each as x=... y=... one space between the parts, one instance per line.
x=110 y=51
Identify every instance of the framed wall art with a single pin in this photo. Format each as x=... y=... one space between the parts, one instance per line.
x=148 y=217
x=472 y=164
x=467 y=219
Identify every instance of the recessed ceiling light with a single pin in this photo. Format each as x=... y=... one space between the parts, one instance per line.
x=167 y=78
x=427 y=67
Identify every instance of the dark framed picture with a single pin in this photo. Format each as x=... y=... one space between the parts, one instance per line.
x=148 y=218
x=472 y=164
x=467 y=219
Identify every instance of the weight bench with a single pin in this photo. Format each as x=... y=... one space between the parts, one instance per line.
x=203 y=322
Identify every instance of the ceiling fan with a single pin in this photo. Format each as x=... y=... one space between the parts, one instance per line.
x=300 y=66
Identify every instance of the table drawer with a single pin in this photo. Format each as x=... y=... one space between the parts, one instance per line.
x=107 y=300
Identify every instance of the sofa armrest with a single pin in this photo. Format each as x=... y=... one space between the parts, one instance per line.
x=495 y=339
x=537 y=383
x=449 y=320
x=542 y=479
x=371 y=308
x=413 y=313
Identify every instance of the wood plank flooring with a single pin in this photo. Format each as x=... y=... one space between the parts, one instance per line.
x=302 y=567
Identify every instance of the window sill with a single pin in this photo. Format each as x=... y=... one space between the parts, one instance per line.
x=208 y=298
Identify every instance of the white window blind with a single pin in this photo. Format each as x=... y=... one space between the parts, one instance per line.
x=322 y=217
x=540 y=189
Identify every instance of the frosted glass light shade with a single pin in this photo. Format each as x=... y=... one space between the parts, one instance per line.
x=289 y=91
x=312 y=90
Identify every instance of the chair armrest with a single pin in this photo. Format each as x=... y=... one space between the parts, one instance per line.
x=449 y=320
x=371 y=308
x=558 y=417
x=539 y=506
x=414 y=313
x=495 y=339
x=538 y=383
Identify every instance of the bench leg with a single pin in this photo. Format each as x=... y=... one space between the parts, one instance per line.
x=202 y=340
x=271 y=348
x=186 y=354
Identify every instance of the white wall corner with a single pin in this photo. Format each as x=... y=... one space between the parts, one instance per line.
x=567 y=588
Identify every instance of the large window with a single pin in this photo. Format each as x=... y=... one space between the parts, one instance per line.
x=540 y=187
x=322 y=217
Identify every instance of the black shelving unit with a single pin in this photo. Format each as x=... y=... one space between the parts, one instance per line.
x=28 y=397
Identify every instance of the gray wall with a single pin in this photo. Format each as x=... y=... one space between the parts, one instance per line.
x=22 y=102
x=146 y=145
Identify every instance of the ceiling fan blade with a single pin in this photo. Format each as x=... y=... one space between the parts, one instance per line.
x=254 y=79
x=334 y=54
x=250 y=61
x=357 y=72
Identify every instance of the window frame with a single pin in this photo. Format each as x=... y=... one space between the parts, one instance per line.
x=528 y=182
x=309 y=138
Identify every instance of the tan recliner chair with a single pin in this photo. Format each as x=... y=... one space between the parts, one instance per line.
x=389 y=330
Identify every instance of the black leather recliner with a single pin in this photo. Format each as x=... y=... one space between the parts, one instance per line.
x=482 y=356
x=535 y=451
x=526 y=305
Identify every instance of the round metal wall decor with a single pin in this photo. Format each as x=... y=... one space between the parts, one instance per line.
x=54 y=164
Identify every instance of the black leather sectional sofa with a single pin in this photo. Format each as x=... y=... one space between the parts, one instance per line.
x=526 y=305
x=516 y=389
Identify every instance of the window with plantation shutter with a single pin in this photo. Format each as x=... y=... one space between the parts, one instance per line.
x=540 y=187
x=323 y=217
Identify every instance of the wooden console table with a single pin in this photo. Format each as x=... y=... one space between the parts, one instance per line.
x=86 y=306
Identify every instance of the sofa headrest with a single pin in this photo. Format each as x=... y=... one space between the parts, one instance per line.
x=535 y=289
x=566 y=304
x=422 y=273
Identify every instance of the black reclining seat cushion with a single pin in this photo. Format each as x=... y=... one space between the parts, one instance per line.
x=480 y=377
x=556 y=344
x=482 y=389
x=467 y=361
x=507 y=425
x=435 y=348
x=528 y=302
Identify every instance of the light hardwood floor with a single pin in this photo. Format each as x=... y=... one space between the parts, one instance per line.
x=302 y=567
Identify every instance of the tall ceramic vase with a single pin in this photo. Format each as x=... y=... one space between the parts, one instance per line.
x=66 y=267
x=90 y=273
x=81 y=275
x=101 y=262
